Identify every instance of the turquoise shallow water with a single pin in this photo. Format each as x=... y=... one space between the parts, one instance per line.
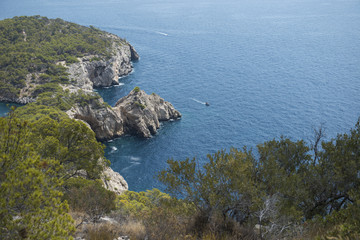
x=267 y=68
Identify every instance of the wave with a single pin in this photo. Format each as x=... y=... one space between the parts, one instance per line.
x=119 y=85
x=198 y=101
x=113 y=149
x=134 y=158
x=129 y=167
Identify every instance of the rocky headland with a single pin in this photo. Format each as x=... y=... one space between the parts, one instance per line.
x=70 y=61
x=136 y=114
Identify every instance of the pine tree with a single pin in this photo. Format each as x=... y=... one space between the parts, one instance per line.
x=30 y=196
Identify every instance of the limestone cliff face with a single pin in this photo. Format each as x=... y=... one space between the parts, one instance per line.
x=136 y=114
x=14 y=99
x=141 y=113
x=91 y=71
x=102 y=119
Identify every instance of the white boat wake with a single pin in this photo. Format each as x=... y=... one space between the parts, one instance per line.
x=162 y=33
x=198 y=101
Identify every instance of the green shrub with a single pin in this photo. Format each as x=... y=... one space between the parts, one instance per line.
x=142 y=106
x=136 y=89
x=47 y=87
x=95 y=59
x=71 y=59
x=164 y=217
x=90 y=197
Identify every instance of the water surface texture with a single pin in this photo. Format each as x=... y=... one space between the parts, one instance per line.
x=267 y=67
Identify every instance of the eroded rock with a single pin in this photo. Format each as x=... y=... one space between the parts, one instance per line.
x=95 y=71
x=113 y=181
x=101 y=117
x=141 y=112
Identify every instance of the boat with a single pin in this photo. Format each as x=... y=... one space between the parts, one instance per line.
x=207 y=104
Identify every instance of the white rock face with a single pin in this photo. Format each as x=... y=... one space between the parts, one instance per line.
x=91 y=72
x=141 y=113
x=136 y=114
x=101 y=118
x=113 y=181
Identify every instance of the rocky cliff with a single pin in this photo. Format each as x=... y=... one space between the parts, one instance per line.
x=136 y=114
x=94 y=71
x=100 y=117
x=141 y=112
x=61 y=64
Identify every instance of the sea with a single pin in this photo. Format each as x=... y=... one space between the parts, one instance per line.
x=267 y=68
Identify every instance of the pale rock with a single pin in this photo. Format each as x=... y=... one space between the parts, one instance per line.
x=113 y=181
x=141 y=113
x=91 y=72
x=102 y=119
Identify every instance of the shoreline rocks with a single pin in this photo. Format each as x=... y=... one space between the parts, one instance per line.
x=101 y=118
x=142 y=113
x=92 y=71
x=136 y=114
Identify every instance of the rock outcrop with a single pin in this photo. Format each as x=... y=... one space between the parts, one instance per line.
x=136 y=114
x=113 y=181
x=141 y=113
x=101 y=117
x=15 y=99
x=92 y=71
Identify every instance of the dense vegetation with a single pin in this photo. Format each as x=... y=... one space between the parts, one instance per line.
x=286 y=190
x=39 y=158
x=31 y=47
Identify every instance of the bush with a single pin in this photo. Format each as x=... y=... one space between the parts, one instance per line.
x=134 y=229
x=163 y=217
x=142 y=106
x=47 y=87
x=105 y=231
x=90 y=197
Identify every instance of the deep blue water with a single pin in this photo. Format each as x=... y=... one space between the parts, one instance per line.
x=267 y=67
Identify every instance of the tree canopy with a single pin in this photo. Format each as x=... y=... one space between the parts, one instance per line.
x=32 y=47
x=71 y=142
x=30 y=190
x=282 y=187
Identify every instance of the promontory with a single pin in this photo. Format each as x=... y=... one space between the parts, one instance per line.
x=56 y=63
